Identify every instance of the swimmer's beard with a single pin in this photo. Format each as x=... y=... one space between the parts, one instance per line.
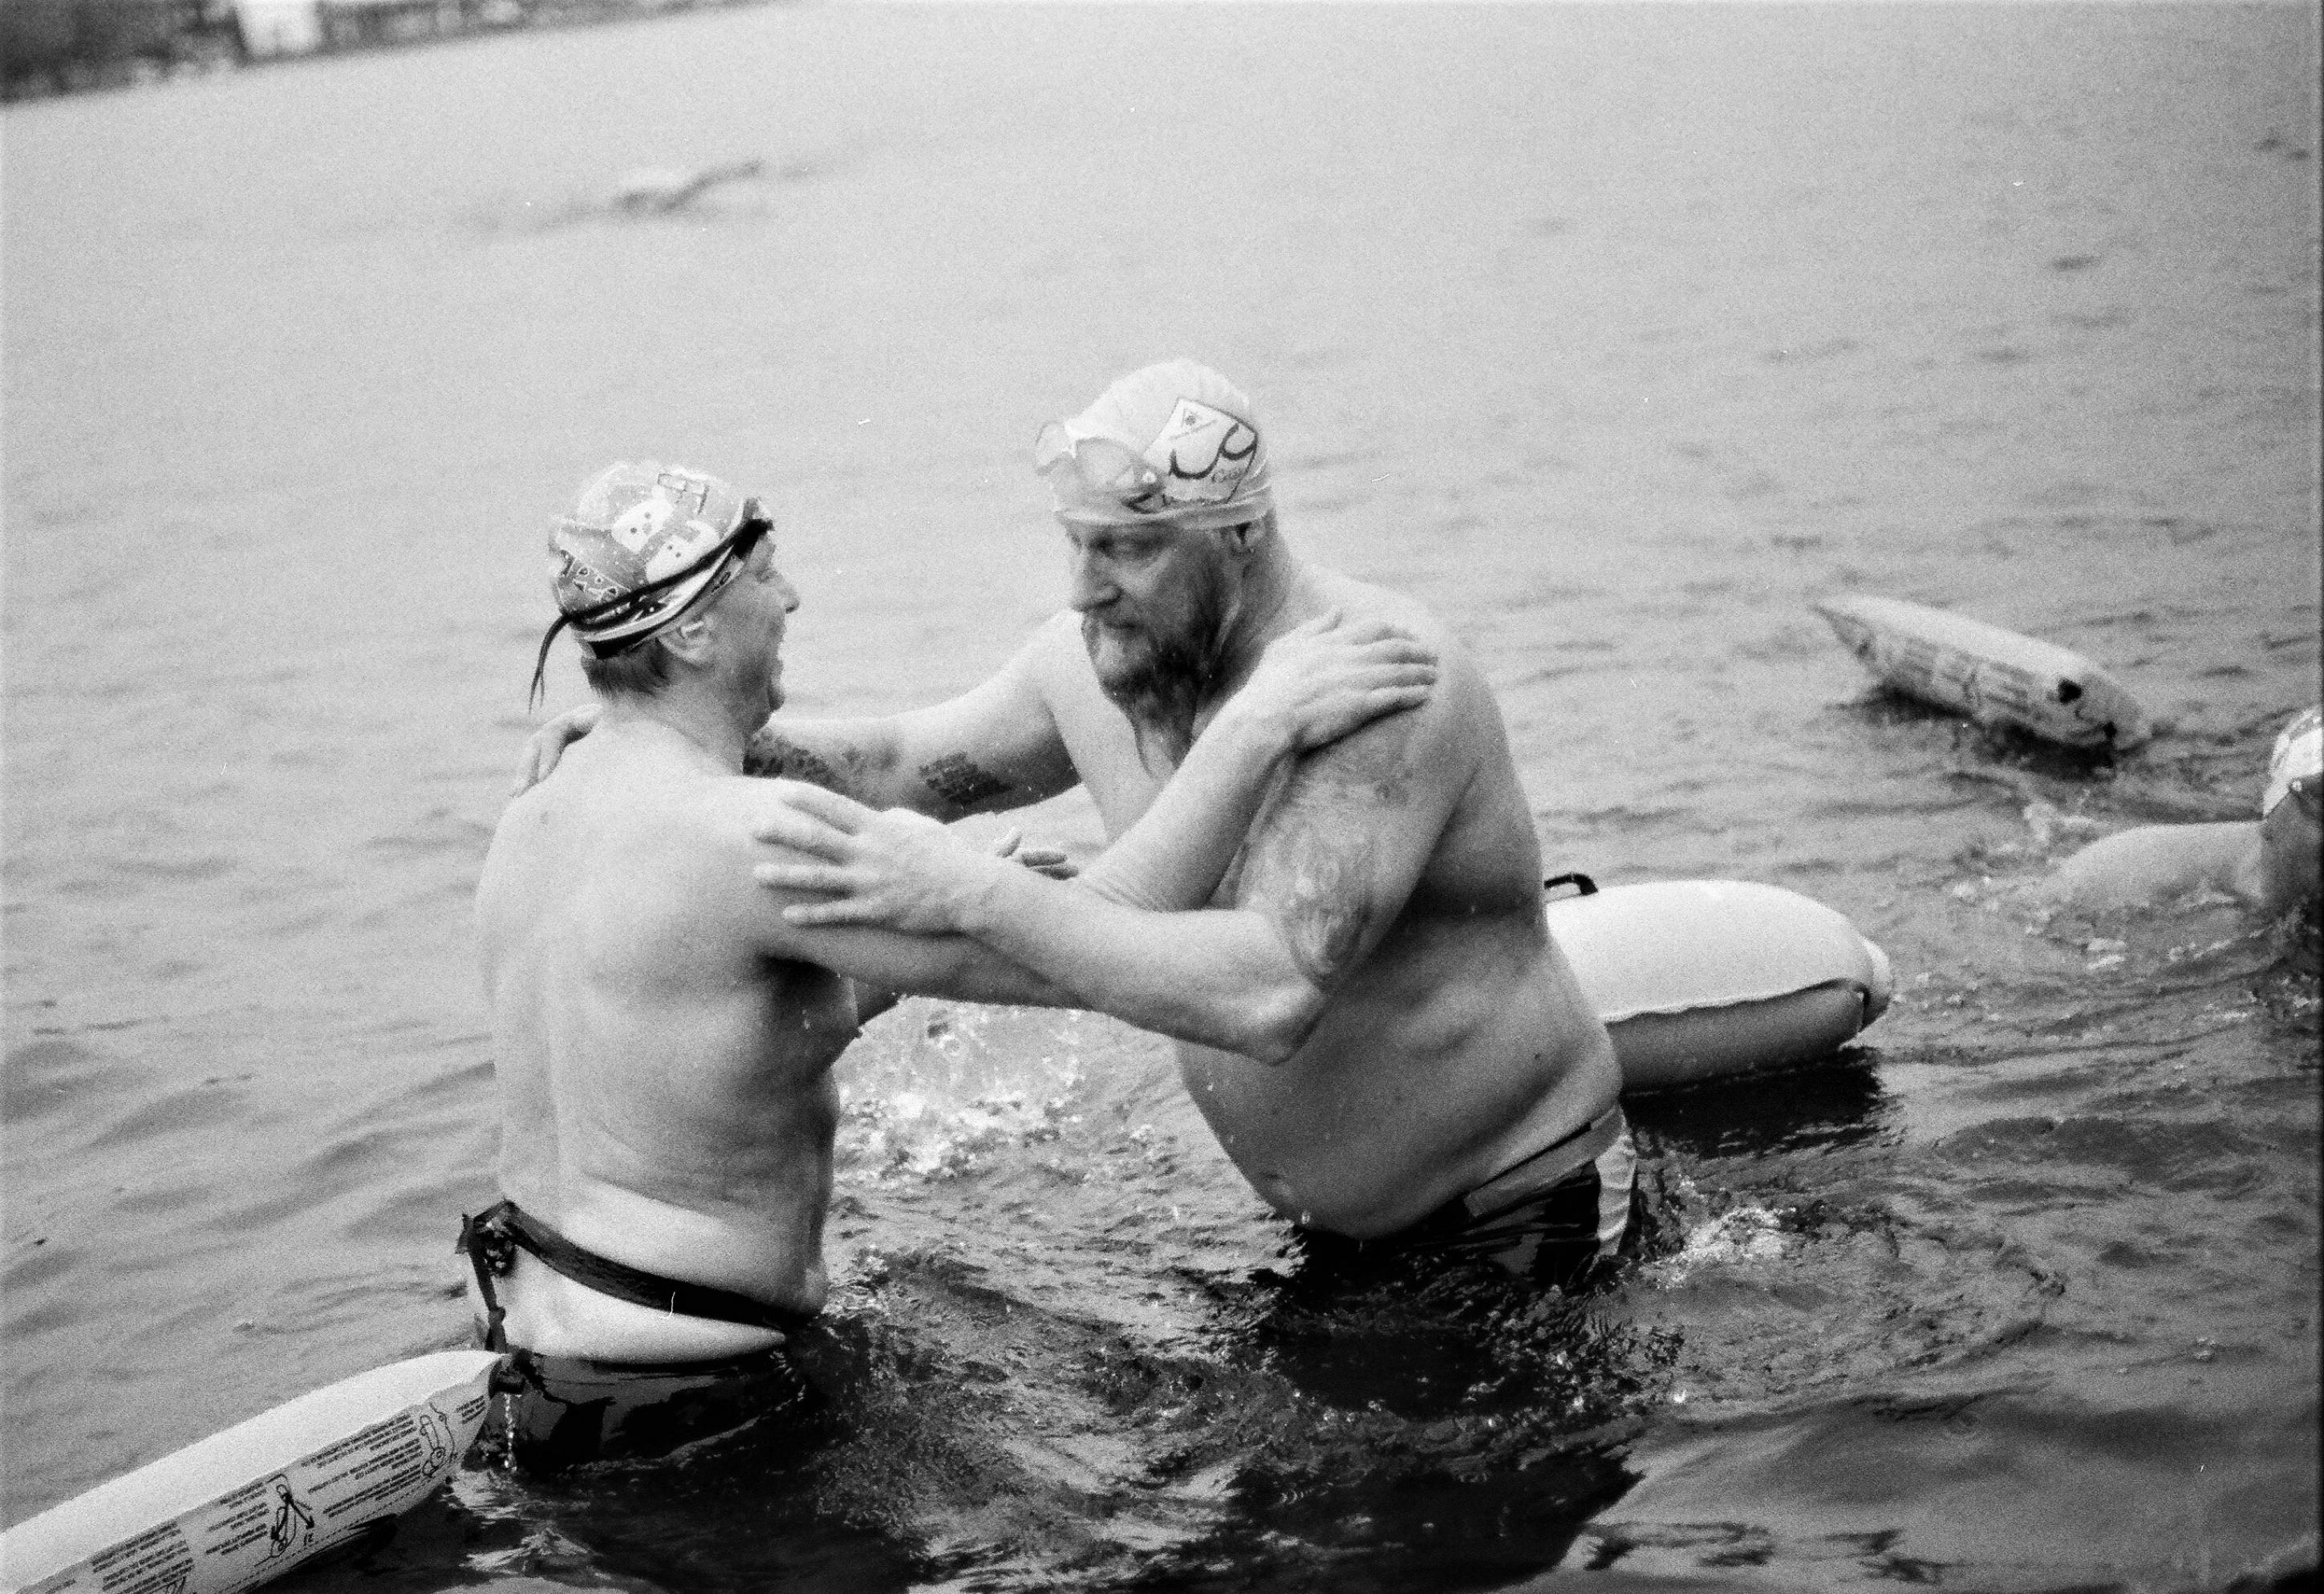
x=1161 y=682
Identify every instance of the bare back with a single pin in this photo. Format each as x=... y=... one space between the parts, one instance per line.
x=666 y=1089
x=1401 y=870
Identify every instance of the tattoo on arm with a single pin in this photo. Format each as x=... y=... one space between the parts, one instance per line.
x=1311 y=878
x=770 y=755
x=1310 y=863
x=1323 y=914
x=960 y=782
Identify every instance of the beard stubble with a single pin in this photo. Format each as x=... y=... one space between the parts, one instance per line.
x=1164 y=684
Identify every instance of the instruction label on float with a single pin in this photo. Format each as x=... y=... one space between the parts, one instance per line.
x=281 y=1516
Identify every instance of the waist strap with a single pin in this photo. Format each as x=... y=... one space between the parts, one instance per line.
x=1537 y=1170
x=498 y=1228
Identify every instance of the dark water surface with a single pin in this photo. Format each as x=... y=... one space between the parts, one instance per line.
x=1618 y=336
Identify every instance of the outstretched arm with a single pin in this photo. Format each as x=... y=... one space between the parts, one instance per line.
x=1312 y=685
x=1327 y=871
x=993 y=748
x=885 y=967
x=879 y=963
x=872 y=1000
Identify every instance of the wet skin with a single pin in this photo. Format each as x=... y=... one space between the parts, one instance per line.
x=663 y=1034
x=1371 y=1015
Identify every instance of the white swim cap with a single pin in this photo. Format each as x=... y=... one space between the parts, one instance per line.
x=1175 y=442
x=2297 y=758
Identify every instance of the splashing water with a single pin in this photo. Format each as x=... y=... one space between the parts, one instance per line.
x=934 y=1089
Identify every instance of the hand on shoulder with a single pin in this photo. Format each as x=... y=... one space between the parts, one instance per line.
x=1332 y=676
x=545 y=747
x=889 y=867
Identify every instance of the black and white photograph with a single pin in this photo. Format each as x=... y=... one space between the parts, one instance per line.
x=1161 y=797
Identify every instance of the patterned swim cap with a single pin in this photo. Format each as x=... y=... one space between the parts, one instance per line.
x=642 y=544
x=2298 y=759
x=1175 y=442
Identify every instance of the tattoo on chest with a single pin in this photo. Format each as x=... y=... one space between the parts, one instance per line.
x=960 y=782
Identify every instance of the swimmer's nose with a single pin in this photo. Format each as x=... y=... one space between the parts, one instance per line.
x=790 y=594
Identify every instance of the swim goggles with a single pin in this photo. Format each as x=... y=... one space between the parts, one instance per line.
x=735 y=551
x=1097 y=475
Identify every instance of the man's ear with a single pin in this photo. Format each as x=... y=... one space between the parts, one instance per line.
x=690 y=639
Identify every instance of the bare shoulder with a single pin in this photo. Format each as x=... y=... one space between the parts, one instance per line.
x=687 y=832
x=706 y=850
x=1364 y=600
x=648 y=860
x=1056 y=663
x=1369 y=601
x=1336 y=852
x=731 y=811
x=1055 y=654
x=519 y=838
x=1459 y=722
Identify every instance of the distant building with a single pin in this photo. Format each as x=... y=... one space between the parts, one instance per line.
x=51 y=46
x=358 y=24
x=58 y=46
x=278 y=27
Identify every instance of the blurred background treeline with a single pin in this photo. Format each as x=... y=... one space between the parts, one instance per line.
x=59 y=46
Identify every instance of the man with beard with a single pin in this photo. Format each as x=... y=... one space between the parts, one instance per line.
x=663 y=1037
x=1369 y=1011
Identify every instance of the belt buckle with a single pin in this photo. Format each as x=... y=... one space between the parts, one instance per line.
x=491 y=1244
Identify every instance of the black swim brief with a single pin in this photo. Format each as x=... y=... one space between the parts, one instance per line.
x=566 y=1411
x=1557 y=1217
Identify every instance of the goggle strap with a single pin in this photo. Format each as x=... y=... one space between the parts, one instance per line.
x=540 y=661
x=752 y=527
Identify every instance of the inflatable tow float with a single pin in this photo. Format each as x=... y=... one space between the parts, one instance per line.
x=1698 y=979
x=1995 y=677
x=265 y=1496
